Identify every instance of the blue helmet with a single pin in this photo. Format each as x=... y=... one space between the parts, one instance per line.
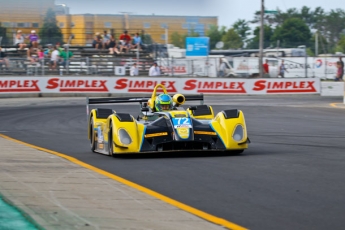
x=163 y=103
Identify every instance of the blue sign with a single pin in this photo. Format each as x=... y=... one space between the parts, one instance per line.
x=198 y=46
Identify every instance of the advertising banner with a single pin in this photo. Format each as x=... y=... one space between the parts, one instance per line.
x=197 y=46
x=75 y=85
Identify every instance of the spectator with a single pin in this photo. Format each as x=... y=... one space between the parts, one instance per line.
x=136 y=42
x=33 y=37
x=222 y=68
x=19 y=40
x=134 y=71
x=282 y=69
x=266 y=69
x=54 y=58
x=112 y=45
x=32 y=55
x=40 y=53
x=154 y=70
x=125 y=40
x=339 y=76
x=65 y=56
x=341 y=67
x=97 y=42
x=48 y=51
x=105 y=40
x=3 y=58
x=58 y=47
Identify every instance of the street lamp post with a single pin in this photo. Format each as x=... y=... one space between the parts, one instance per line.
x=261 y=45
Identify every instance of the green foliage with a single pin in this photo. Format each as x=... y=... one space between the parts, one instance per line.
x=215 y=34
x=50 y=33
x=254 y=43
x=241 y=28
x=341 y=45
x=292 y=33
x=232 y=40
x=147 y=39
x=177 y=40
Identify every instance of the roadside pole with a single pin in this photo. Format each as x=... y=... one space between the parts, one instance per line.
x=261 y=45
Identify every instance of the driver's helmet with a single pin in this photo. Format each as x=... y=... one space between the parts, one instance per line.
x=163 y=103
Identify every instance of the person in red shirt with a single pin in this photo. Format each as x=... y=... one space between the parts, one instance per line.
x=125 y=40
x=266 y=68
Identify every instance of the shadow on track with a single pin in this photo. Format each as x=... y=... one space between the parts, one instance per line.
x=187 y=154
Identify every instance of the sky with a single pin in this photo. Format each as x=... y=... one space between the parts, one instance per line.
x=227 y=11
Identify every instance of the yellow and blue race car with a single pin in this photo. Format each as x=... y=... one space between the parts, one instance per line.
x=163 y=125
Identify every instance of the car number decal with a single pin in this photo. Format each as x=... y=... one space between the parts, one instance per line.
x=180 y=122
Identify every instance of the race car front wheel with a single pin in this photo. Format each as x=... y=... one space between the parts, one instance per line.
x=92 y=136
x=110 y=141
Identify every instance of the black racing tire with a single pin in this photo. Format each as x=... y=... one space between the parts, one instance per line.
x=110 y=141
x=92 y=136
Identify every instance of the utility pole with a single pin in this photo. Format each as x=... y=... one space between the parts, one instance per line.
x=261 y=37
x=316 y=43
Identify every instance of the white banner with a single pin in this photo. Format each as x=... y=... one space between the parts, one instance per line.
x=332 y=88
x=10 y=85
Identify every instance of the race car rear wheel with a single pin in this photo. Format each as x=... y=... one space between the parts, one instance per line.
x=92 y=136
x=110 y=141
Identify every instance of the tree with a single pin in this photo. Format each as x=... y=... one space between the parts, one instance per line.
x=241 y=28
x=177 y=40
x=341 y=44
x=254 y=42
x=3 y=35
x=50 y=32
x=232 y=40
x=215 y=34
x=147 y=39
x=292 y=33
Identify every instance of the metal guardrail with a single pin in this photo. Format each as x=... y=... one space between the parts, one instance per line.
x=76 y=66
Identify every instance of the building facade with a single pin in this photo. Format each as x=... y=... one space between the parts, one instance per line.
x=85 y=26
x=27 y=15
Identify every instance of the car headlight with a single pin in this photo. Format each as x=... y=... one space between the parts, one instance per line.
x=124 y=137
x=238 y=134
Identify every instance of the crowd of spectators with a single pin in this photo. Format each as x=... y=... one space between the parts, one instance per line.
x=124 y=44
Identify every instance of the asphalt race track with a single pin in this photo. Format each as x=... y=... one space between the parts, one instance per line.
x=291 y=177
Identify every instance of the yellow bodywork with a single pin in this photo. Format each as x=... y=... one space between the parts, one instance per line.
x=225 y=129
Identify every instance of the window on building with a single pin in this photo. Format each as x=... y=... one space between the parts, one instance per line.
x=61 y=25
x=6 y=24
x=164 y=25
x=35 y=25
x=163 y=37
x=107 y=24
x=72 y=24
x=9 y=24
x=147 y=25
x=24 y=24
x=192 y=20
x=185 y=26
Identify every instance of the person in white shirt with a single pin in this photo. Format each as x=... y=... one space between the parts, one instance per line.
x=154 y=70
x=134 y=71
x=54 y=58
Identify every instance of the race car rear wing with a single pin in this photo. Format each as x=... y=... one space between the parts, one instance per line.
x=115 y=100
